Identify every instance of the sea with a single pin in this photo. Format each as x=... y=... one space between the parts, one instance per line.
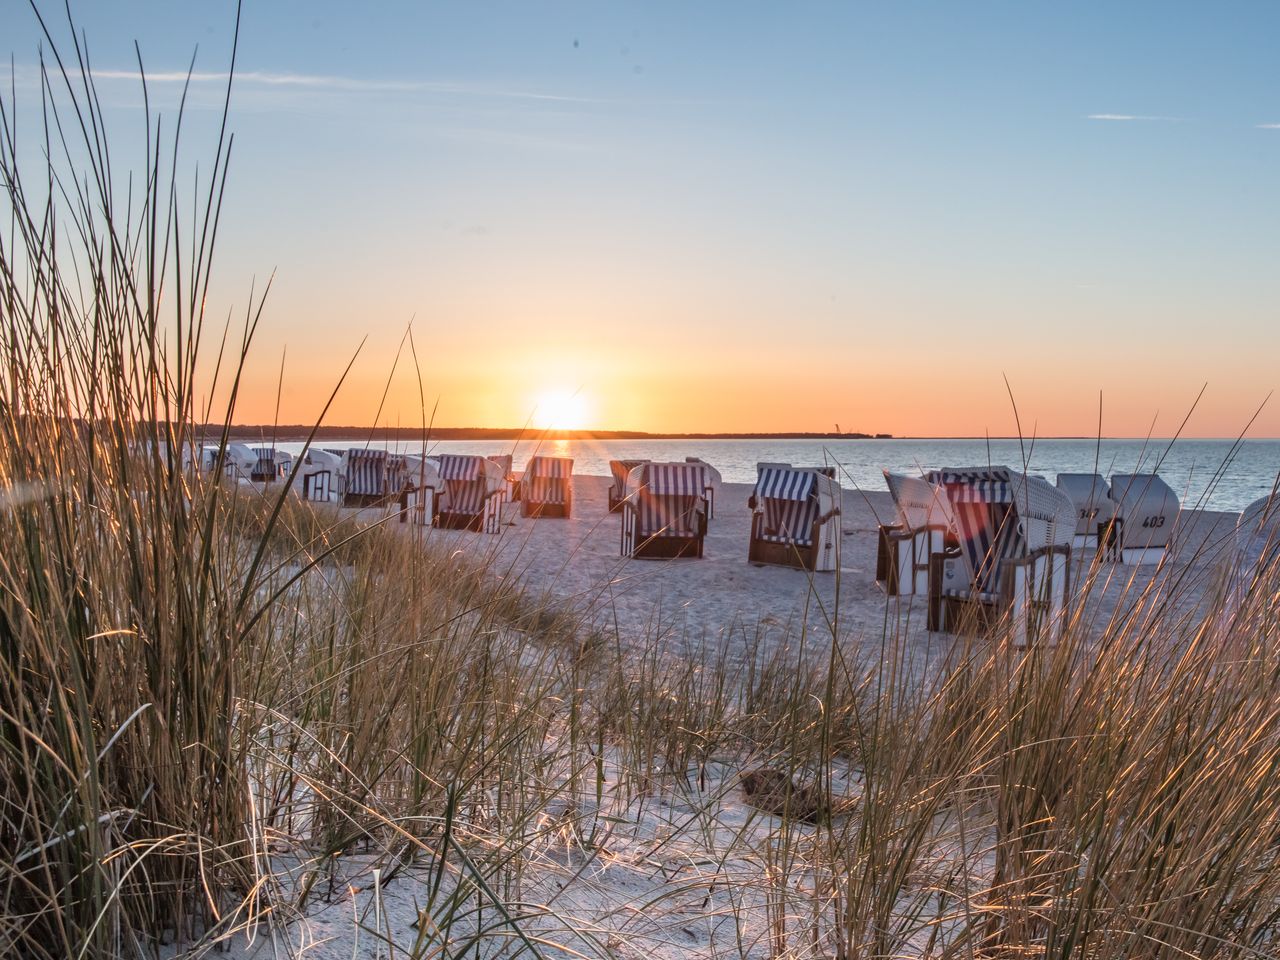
x=1224 y=475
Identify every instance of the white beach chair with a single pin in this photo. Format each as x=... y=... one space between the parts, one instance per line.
x=317 y=478
x=474 y=491
x=924 y=527
x=420 y=489
x=664 y=512
x=546 y=488
x=1095 y=510
x=237 y=460
x=795 y=517
x=1146 y=513
x=1013 y=560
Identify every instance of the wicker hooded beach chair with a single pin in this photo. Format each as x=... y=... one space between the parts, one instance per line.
x=546 y=489
x=924 y=527
x=1146 y=513
x=474 y=489
x=1013 y=558
x=795 y=517
x=664 y=512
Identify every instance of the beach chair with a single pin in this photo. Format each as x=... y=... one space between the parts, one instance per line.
x=421 y=489
x=664 y=512
x=795 y=517
x=924 y=527
x=267 y=465
x=1013 y=560
x=619 y=470
x=546 y=489
x=365 y=478
x=1095 y=510
x=318 y=476
x=238 y=461
x=473 y=494
x=1146 y=513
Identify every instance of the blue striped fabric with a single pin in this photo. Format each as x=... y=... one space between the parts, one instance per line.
x=463 y=477
x=546 y=480
x=790 y=504
x=455 y=466
x=669 y=499
x=266 y=463
x=779 y=483
x=367 y=472
x=676 y=479
x=986 y=521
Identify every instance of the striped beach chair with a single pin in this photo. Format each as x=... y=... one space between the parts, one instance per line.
x=365 y=477
x=619 y=470
x=1146 y=513
x=474 y=491
x=924 y=527
x=664 y=511
x=546 y=489
x=1012 y=563
x=269 y=465
x=795 y=517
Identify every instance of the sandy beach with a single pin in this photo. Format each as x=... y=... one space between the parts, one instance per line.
x=722 y=602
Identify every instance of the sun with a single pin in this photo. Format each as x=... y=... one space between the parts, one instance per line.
x=560 y=410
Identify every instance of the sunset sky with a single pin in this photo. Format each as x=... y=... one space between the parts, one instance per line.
x=737 y=217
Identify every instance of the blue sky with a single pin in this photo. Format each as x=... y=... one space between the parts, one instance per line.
x=668 y=206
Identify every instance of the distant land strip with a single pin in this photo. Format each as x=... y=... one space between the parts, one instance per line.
x=299 y=432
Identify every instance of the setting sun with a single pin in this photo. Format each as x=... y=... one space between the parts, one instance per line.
x=560 y=410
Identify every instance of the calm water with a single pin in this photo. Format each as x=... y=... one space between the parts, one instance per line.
x=1198 y=469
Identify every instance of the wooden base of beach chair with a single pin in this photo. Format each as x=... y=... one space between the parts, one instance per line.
x=781 y=554
x=460 y=521
x=548 y=511
x=902 y=558
x=669 y=548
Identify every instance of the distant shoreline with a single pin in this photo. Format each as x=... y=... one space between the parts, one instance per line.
x=298 y=433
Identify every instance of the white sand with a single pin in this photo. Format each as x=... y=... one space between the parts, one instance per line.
x=658 y=884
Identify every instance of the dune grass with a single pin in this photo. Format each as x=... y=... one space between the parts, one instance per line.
x=223 y=711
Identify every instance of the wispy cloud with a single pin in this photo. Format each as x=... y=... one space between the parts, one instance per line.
x=338 y=84
x=1128 y=117
x=1267 y=126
